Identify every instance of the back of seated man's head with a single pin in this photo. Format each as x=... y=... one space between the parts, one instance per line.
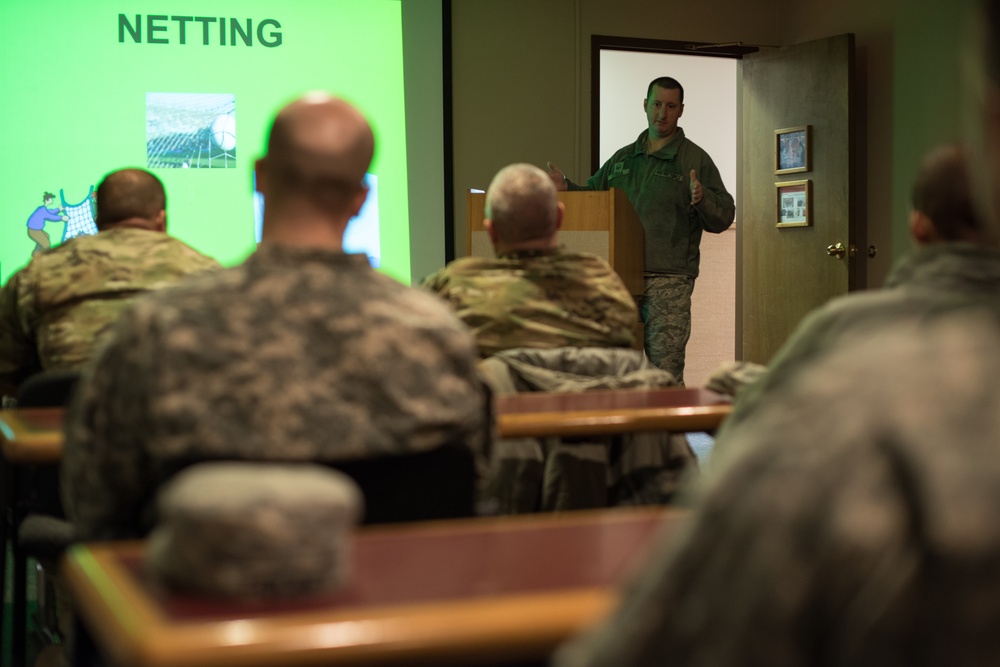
x=942 y=201
x=131 y=198
x=522 y=207
x=318 y=152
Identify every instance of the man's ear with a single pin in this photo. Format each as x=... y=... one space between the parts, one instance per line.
x=491 y=230
x=260 y=174
x=161 y=221
x=922 y=228
x=681 y=112
x=358 y=200
x=560 y=211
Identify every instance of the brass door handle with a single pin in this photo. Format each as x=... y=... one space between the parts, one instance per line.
x=837 y=250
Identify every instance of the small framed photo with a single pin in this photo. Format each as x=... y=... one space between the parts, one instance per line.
x=792 y=149
x=794 y=203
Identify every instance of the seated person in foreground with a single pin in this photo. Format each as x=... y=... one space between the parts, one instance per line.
x=852 y=519
x=56 y=310
x=302 y=353
x=534 y=294
x=955 y=263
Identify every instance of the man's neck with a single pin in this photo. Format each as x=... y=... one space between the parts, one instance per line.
x=131 y=223
x=550 y=243
x=655 y=143
x=304 y=231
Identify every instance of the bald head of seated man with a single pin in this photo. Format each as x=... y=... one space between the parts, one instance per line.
x=131 y=198
x=942 y=206
x=301 y=353
x=55 y=311
x=312 y=177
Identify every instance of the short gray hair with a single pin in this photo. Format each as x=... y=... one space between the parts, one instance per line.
x=521 y=203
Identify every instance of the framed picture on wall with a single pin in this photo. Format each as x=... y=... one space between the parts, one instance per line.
x=794 y=203
x=792 y=149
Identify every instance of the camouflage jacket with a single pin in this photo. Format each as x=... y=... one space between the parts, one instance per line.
x=540 y=299
x=56 y=310
x=935 y=277
x=854 y=520
x=297 y=354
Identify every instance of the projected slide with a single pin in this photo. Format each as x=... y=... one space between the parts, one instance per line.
x=189 y=92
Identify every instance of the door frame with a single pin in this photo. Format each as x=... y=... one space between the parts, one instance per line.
x=734 y=50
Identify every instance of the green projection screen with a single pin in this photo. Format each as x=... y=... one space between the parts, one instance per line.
x=187 y=89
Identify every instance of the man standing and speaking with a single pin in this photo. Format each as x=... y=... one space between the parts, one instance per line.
x=677 y=192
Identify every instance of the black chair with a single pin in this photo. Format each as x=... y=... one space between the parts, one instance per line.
x=32 y=517
x=47 y=389
x=436 y=484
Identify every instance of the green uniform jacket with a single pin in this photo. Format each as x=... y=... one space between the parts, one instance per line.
x=56 y=310
x=659 y=187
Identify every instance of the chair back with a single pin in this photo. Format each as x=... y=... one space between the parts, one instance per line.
x=416 y=486
x=439 y=483
x=47 y=389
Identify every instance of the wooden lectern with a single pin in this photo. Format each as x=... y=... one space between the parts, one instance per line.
x=603 y=223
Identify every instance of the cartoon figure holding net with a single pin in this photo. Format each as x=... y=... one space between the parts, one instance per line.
x=79 y=219
x=36 y=222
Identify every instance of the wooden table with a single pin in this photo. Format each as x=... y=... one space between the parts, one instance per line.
x=610 y=412
x=483 y=591
x=34 y=435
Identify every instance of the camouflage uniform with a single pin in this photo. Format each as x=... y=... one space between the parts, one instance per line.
x=296 y=355
x=937 y=276
x=853 y=520
x=666 y=311
x=54 y=311
x=659 y=187
x=538 y=299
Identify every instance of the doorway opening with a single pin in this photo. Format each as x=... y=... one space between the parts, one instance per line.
x=622 y=69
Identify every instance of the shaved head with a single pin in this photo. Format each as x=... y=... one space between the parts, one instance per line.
x=522 y=205
x=319 y=149
x=942 y=192
x=129 y=195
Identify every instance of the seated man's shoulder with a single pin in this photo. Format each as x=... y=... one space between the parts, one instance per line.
x=469 y=271
x=140 y=247
x=583 y=261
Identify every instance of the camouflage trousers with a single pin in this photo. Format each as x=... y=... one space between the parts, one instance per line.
x=665 y=309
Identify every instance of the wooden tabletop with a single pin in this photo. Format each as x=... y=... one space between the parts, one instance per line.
x=439 y=593
x=35 y=435
x=32 y=435
x=609 y=412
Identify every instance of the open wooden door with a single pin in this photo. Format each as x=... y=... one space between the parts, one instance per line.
x=787 y=271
